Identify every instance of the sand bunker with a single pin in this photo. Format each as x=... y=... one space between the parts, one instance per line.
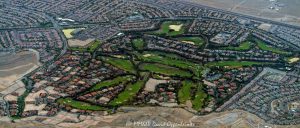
x=188 y=42
x=152 y=83
x=293 y=60
x=176 y=27
x=119 y=56
x=147 y=55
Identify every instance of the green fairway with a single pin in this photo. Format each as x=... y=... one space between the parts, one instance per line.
x=113 y=82
x=138 y=44
x=171 y=60
x=184 y=93
x=234 y=63
x=192 y=40
x=80 y=49
x=79 y=105
x=266 y=47
x=129 y=93
x=165 y=70
x=120 y=63
x=176 y=62
x=242 y=47
x=94 y=45
x=199 y=99
x=170 y=28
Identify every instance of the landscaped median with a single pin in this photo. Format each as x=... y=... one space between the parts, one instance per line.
x=21 y=104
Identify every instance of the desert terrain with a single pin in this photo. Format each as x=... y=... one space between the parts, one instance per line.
x=133 y=117
x=14 y=66
x=287 y=12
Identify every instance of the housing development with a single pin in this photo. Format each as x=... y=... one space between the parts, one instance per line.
x=99 y=58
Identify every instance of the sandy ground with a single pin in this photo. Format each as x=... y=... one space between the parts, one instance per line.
x=293 y=60
x=289 y=13
x=14 y=66
x=19 y=59
x=6 y=81
x=188 y=42
x=152 y=83
x=147 y=55
x=176 y=27
x=68 y=32
x=77 y=42
x=134 y=118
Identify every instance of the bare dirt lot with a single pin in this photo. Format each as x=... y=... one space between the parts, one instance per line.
x=14 y=66
x=132 y=117
x=80 y=43
x=286 y=11
x=160 y=115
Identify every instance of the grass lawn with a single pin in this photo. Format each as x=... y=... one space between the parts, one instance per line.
x=120 y=63
x=199 y=99
x=80 y=49
x=170 y=28
x=242 y=47
x=79 y=105
x=113 y=82
x=192 y=40
x=184 y=91
x=266 y=47
x=234 y=63
x=94 y=45
x=165 y=70
x=138 y=44
x=171 y=60
x=129 y=93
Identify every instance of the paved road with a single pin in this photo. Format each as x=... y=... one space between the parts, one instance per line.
x=62 y=36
